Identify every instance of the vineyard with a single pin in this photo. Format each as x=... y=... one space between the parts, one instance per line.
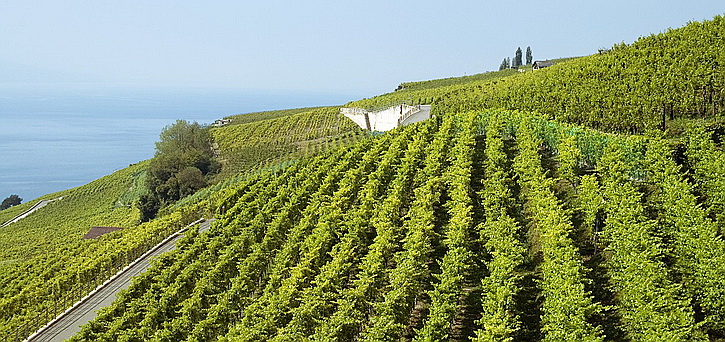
x=657 y=82
x=489 y=225
x=581 y=202
x=429 y=92
x=45 y=266
x=653 y=83
x=45 y=262
x=259 y=139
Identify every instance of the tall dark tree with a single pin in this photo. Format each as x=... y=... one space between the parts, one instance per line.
x=529 y=56
x=517 y=62
x=10 y=201
x=504 y=64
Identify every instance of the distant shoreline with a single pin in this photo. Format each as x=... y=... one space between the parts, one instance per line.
x=62 y=138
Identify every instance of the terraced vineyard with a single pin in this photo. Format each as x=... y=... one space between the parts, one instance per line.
x=259 y=139
x=45 y=262
x=517 y=223
x=45 y=265
x=482 y=225
x=658 y=81
x=433 y=91
x=661 y=80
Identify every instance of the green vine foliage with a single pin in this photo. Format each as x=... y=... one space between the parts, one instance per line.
x=463 y=227
x=389 y=237
x=417 y=234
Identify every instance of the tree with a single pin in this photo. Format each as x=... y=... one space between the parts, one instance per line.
x=10 y=201
x=529 y=56
x=517 y=59
x=148 y=205
x=183 y=159
x=505 y=64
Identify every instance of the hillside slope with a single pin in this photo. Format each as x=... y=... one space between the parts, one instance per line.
x=45 y=265
x=257 y=139
x=429 y=92
x=678 y=74
x=483 y=225
x=478 y=224
x=653 y=83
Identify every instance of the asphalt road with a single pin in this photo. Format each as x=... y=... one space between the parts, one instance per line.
x=32 y=209
x=70 y=322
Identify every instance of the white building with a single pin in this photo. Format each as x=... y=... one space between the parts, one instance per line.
x=389 y=118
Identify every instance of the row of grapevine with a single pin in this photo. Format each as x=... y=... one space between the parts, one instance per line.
x=603 y=91
x=457 y=262
x=499 y=234
x=355 y=301
x=313 y=253
x=698 y=249
x=249 y=273
x=411 y=271
x=317 y=300
x=253 y=200
x=649 y=302
x=195 y=261
x=277 y=138
x=428 y=92
x=631 y=88
x=269 y=205
x=46 y=265
x=708 y=167
x=567 y=304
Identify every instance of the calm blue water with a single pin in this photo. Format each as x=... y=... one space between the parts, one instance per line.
x=53 y=139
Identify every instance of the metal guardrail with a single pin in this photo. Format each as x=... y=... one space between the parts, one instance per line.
x=411 y=110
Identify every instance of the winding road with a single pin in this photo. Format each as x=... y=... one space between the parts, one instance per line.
x=69 y=323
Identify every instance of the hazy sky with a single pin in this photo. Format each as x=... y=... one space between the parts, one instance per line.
x=362 y=46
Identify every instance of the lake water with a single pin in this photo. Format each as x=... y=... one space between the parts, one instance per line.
x=54 y=138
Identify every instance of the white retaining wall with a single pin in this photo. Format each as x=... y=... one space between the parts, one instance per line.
x=387 y=119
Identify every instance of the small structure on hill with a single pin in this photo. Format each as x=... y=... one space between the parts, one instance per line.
x=388 y=118
x=542 y=64
x=95 y=232
x=221 y=122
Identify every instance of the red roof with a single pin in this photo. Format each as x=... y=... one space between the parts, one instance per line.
x=98 y=231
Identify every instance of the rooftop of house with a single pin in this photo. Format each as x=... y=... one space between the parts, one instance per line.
x=95 y=232
x=542 y=64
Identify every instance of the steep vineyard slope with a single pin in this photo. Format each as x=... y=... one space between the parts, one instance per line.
x=481 y=224
x=44 y=262
x=657 y=79
x=428 y=92
x=478 y=225
x=649 y=84
x=256 y=139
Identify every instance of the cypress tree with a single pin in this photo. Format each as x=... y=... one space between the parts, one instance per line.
x=504 y=65
x=517 y=59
